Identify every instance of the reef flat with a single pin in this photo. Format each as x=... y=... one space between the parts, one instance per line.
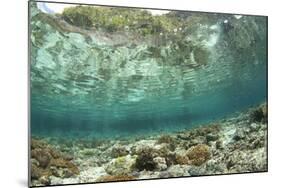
x=235 y=144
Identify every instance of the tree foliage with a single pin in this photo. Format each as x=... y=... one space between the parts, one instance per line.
x=119 y=19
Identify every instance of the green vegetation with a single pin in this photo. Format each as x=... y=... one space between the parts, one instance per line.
x=120 y=19
x=80 y=16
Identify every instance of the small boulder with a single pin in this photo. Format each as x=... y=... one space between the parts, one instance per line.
x=178 y=170
x=160 y=163
x=239 y=134
x=121 y=165
x=45 y=180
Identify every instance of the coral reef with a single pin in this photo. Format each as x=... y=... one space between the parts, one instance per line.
x=46 y=162
x=236 y=144
x=198 y=154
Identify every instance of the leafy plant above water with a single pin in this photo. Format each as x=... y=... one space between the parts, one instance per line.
x=126 y=54
x=119 y=19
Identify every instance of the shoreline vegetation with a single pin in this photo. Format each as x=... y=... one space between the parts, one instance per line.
x=231 y=145
x=143 y=27
x=124 y=26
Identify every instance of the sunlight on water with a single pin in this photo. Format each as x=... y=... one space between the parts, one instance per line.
x=98 y=83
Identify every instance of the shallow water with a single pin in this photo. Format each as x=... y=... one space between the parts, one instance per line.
x=83 y=87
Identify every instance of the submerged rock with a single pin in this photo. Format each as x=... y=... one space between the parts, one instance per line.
x=239 y=134
x=91 y=174
x=178 y=170
x=121 y=165
x=212 y=137
x=254 y=127
x=45 y=180
x=160 y=163
x=55 y=180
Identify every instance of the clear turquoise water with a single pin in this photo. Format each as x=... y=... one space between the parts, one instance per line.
x=73 y=116
x=71 y=98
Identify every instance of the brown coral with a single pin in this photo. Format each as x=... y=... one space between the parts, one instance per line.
x=36 y=172
x=198 y=154
x=182 y=160
x=116 y=178
x=62 y=163
x=42 y=156
x=46 y=161
x=35 y=144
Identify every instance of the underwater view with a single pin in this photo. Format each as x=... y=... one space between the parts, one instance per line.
x=120 y=94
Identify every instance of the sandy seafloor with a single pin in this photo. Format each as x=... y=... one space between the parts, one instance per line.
x=236 y=144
